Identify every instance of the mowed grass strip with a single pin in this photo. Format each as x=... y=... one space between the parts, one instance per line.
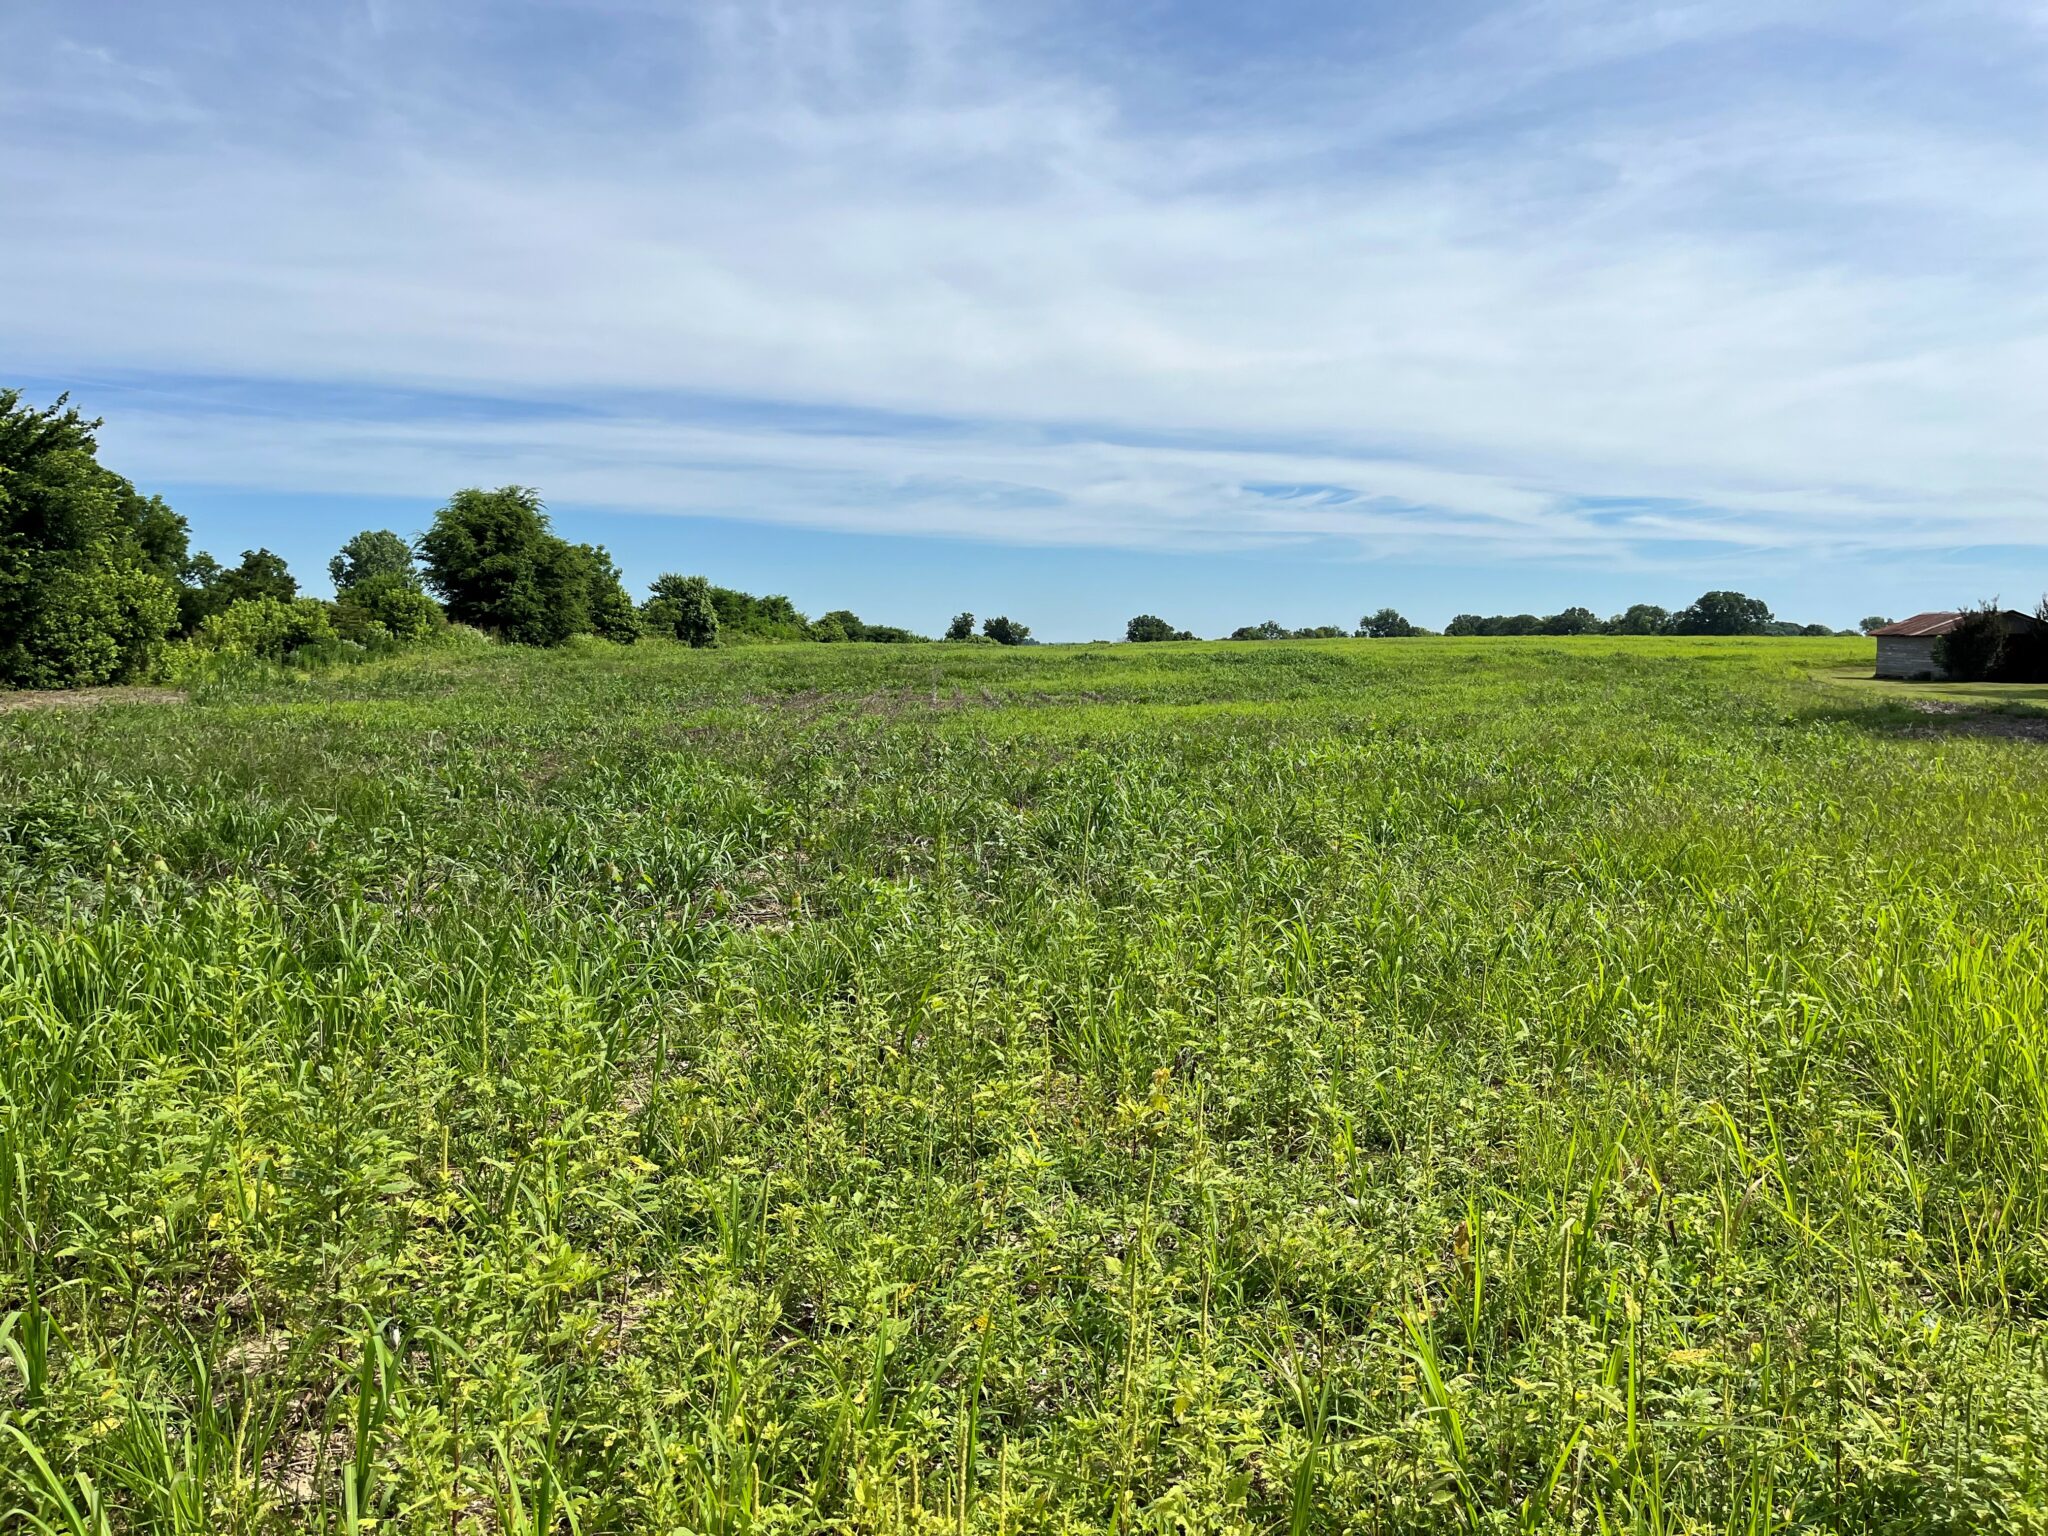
x=1398 y=1086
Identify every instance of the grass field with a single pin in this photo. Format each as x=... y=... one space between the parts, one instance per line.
x=1365 y=1086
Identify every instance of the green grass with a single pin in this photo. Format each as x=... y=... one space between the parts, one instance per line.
x=1369 y=1086
x=2013 y=698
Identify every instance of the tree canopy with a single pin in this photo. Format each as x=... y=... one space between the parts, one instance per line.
x=370 y=554
x=1149 y=627
x=1387 y=624
x=681 y=608
x=88 y=566
x=1722 y=613
x=495 y=561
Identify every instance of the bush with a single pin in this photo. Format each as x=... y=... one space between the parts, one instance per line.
x=681 y=608
x=613 y=616
x=1980 y=649
x=265 y=627
x=386 y=606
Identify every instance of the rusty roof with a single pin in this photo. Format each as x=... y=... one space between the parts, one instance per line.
x=1924 y=626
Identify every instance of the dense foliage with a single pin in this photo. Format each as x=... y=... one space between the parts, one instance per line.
x=1990 y=645
x=1311 y=1088
x=266 y=627
x=497 y=564
x=681 y=608
x=88 y=566
x=1145 y=629
x=372 y=555
x=1712 y=613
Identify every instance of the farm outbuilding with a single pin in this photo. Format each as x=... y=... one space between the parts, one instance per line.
x=1906 y=649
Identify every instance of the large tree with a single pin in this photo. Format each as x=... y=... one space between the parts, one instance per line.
x=88 y=567
x=681 y=607
x=1006 y=631
x=1723 y=613
x=1640 y=619
x=1150 y=627
x=1387 y=624
x=496 y=563
x=370 y=554
x=261 y=574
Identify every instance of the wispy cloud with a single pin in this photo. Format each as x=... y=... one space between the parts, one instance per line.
x=1763 y=277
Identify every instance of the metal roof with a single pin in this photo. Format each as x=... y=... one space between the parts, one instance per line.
x=1923 y=626
x=1919 y=626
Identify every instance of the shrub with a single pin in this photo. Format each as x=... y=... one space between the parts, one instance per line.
x=389 y=605
x=613 y=616
x=681 y=608
x=265 y=627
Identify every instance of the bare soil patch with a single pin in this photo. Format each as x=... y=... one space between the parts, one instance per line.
x=1961 y=720
x=87 y=698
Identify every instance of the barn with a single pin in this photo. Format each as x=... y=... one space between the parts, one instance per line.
x=1906 y=649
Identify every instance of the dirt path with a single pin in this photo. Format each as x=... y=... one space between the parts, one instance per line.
x=1959 y=720
x=86 y=698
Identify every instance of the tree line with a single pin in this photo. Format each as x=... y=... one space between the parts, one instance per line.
x=98 y=582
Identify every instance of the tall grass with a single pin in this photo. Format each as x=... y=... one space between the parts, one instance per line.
x=1365 y=1086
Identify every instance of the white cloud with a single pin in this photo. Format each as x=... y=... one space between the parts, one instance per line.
x=1485 y=278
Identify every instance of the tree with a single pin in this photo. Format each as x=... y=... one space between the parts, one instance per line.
x=386 y=606
x=742 y=614
x=840 y=624
x=1723 y=613
x=1321 y=632
x=1148 y=627
x=681 y=608
x=1573 y=621
x=1270 y=629
x=1384 y=625
x=88 y=566
x=370 y=554
x=1006 y=631
x=261 y=574
x=1873 y=624
x=1640 y=619
x=496 y=563
x=962 y=627
x=605 y=609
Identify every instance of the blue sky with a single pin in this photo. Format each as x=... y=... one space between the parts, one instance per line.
x=1068 y=311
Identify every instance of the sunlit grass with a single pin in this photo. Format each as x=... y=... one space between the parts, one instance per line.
x=1330 y=1086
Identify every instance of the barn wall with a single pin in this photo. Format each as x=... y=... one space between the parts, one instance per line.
x=1904 y=656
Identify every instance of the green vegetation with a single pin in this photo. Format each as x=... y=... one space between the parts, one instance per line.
x=88 y=566
x=1712 y=613
x=1995 y=645
x=1553 y=1085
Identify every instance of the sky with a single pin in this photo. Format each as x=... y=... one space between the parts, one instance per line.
x=1067 y=310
